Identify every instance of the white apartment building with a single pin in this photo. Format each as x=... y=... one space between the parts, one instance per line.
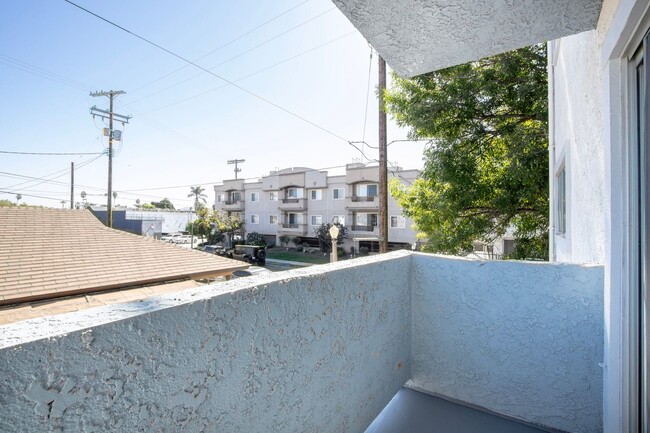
x=296 y=201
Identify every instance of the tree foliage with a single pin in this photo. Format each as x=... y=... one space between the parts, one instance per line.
x=322 y=233
x=197 y=193
x=163 y=204
x=254 y=238
x=214 y=225
x=486 y=169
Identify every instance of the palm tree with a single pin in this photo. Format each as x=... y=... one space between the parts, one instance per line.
x=18 y=198
x=197 y=193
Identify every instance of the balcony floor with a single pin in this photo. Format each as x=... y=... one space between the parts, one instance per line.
x=415 y=412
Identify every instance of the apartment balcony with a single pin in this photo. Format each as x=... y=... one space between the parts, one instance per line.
x=362 y=202
x=325 y=349
x=292 y=229
x=364 y=230
x=289 y=204
x=233 y=205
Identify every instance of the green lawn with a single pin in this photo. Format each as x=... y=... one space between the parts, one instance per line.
x=294 y=256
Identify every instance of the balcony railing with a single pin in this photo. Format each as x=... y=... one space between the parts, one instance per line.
x=356 y=198
x=292 y=226
x=357 y=228
x=319 y=349
x=292 y=204
x=231 y=202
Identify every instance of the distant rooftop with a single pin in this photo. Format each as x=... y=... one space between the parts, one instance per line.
x=50 y=253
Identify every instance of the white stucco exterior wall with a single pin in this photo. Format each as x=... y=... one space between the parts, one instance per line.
x=521 y=339
x=319 y=349
x=592 y=82
x=579 y=145
x=303 y=350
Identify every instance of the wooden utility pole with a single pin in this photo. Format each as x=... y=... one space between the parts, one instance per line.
x=121 y=118
x=383 y=164
x=72 y=185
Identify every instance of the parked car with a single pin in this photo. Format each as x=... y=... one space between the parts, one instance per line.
x=183 y=239
x=252 y=254
x=171 y=237
x=253 y=270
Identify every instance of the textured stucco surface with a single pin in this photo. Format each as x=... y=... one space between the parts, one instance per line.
x=521 y=339
x=305 y=350
x=416 y=36
x=320 y=349
x=578 y=87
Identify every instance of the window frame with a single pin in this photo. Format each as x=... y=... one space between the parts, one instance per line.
x=334 y=190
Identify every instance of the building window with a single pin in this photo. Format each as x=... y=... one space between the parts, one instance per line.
x=255 y=196
x=295 y=218
x=316 y=220
x=219 y=198
x=560 y=214
x=235 y=196
x=255 y=219
x=273 y=219
x=397 y=222
x=338 y=219
x=316 y=194
x=367 y=219
x=273 y=196
x=294 y=192
x=338 y=193
x=367 y=190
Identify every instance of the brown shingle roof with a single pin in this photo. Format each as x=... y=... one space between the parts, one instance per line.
x=46 y=253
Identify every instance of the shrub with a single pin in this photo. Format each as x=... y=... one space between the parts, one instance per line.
x=363 y=251
x=284 y=240
x=255 y=238
x=340 y=251
x=300 y=248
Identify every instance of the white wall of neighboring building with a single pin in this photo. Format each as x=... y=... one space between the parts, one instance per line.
x=592 y=129
x=577 y=144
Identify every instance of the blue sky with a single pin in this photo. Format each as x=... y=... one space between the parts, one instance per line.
x=301 y=55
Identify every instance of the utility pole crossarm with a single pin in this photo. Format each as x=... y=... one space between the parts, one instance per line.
x=236 y=161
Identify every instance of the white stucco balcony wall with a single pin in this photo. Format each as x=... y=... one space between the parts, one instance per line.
x=318 y=349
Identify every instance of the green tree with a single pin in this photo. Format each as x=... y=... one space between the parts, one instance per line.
x=214 y=225
x=6 y=203
x=254 y=238
x=163 y=204
x=197 y=193
x=486 y=168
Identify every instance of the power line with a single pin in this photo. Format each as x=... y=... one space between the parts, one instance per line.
x=41 y=72
x=45 y=179
x=230 y=42
x=234 y=57
x=261 y=98
x=51 y=153
x=30 y=195
x=249 y=75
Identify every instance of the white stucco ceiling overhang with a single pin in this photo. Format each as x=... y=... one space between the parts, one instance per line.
x=418 y=36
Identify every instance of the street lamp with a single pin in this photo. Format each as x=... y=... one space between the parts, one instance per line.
x=334 y=234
